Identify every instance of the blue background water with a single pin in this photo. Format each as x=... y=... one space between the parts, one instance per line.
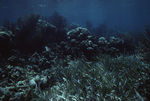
x=118 y=14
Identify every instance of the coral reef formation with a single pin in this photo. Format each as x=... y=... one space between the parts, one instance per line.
x=52 y=60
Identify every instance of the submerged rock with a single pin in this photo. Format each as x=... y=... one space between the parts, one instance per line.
x=32 y=83
x=83 y=42
x=102 y=40
x=78 y=33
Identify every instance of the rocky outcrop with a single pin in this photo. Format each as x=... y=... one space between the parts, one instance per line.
x=82 y=41
x=111 y=45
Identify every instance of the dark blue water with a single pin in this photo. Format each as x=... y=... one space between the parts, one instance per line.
x=118 y=14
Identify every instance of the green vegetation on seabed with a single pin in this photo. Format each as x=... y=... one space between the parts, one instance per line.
x=124 y=78
x=109 y=79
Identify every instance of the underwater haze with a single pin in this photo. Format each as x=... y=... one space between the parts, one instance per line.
x=126 y=15
x=74 y=50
